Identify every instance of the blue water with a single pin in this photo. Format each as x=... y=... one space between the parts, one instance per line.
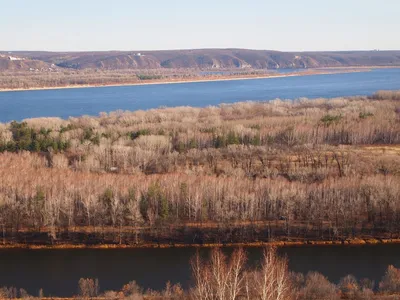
x=90 y=101
x=285 y=71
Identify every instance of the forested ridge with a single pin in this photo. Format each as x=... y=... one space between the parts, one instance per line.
x=199 y=59
x=44 y=70
x=321 y=169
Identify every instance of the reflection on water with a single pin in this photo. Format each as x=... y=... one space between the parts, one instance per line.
x=58 y=271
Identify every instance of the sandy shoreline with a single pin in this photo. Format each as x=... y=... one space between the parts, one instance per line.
x=227 y=78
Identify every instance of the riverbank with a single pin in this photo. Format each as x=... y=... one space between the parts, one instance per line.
x=200 y=79
x=309 y=243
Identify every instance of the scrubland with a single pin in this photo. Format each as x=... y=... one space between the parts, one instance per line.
x=284 y=170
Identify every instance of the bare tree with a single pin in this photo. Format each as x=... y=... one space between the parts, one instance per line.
x=200 y=272
x=236 y=273
x=272 y=280
x=88 y=287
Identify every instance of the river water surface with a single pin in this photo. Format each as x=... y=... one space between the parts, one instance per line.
x=58 y=271
x=63 y=103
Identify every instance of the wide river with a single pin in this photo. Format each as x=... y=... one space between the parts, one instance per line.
x=90 y=101
x=58 y=271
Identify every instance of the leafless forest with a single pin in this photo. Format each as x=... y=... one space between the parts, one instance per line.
x=321 y=169
x=224 y=277
x=51 y=78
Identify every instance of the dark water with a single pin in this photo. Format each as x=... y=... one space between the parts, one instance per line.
x=58 y=271
x=90 y=101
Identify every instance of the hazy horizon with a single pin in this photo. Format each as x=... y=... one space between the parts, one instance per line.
x=125 y=25
x=188 y=49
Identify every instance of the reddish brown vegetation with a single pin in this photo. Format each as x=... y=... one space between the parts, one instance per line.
x=302 y=170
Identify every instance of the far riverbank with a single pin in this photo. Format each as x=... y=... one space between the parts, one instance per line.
x=325 y=71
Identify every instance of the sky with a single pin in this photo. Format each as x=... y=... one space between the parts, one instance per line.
x=284 y=25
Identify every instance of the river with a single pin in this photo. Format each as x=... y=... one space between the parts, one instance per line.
x=18 y=105
x=58 y=271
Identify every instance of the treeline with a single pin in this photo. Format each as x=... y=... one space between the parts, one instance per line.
x=55 y=77
x=61 y=78
x=222 y=277
x=137 y=209
x=255 y=171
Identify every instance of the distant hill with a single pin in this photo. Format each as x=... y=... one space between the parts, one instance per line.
x=12 y=62
x=201 y=59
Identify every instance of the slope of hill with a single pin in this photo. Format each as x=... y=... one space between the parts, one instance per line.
x=214 y=59
x=18 y=63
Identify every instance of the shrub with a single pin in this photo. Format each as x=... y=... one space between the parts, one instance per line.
x=349 y=286
x=88 y=287
x=136 y=134
x=328 y=119
x=386 y=95
x=390 y=282
x=317 y=287
x=364 y=115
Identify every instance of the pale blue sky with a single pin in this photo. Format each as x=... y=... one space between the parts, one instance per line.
x=287 y=25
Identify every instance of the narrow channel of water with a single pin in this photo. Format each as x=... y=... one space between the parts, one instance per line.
x=58 y=271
